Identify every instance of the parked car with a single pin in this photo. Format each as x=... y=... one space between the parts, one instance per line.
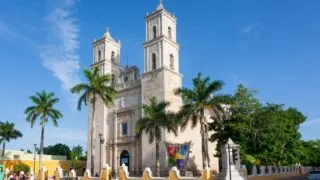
x=314 y=175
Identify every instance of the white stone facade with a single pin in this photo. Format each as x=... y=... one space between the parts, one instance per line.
x=161 y=76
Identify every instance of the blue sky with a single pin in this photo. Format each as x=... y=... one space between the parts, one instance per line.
x=272 y=46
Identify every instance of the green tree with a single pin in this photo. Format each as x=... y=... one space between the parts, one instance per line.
x=199 y=102
x=21 y=167
x=98 y=86
x=240 y=126
x=58 y=149
x=76 y=153
x=268 y=134
x=154 y=120
x=310 y=153
x=43 y=110
x=7 y=133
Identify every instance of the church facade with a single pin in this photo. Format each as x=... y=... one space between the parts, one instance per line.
x=114 y=128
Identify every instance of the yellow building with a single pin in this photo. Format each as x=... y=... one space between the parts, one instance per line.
x=13 y=157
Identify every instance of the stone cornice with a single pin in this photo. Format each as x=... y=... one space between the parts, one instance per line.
x=103 y=39
x=159 y=70
x=161 y=38
x=161 y=11
x=104 y=62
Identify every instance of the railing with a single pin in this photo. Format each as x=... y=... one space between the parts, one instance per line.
x=277 y=171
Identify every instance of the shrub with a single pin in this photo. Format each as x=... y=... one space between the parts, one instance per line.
x=21 y=167
x=248 y=160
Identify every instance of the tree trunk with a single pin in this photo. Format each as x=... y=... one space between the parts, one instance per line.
x=206 y=144
x=157 y=158
x=3 y=151
x=41 y=144
x=203 y=146
x=91 y=142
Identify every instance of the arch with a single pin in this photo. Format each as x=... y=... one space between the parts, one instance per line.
x=125 y=158
x=154 y=30
x=171 y=61
x=154 y=61
x=112 y=56
x=169 y=32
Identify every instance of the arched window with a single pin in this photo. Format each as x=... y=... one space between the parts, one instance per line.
x=126 y=79
x=154 y=29
x=99 y=55
x=171 y=62
x=113 y=80
x=169 y=32
x=154 y=61
x=112 y=56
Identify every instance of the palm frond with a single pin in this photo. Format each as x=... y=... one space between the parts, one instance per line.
x=43 y=109
x=79 y=88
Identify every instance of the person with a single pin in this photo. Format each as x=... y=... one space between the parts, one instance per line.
x=23 y=177
x=30 y=176
x=11 y=177
x=83 y=171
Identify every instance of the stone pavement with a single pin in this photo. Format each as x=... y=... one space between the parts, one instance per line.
x=295 y=178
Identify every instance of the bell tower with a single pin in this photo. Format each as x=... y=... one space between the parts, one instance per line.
x=161 y=75
x=161 y=48
x=106 y=57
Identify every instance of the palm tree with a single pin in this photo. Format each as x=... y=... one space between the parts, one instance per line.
x=156 y=119
x=43 y=110
x=198 y=102
x=98 y=86
x=7 y=133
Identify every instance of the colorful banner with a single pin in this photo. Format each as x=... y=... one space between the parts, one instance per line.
x=178 y=154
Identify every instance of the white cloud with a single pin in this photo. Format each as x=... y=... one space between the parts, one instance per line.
x=250 y=28
x=8 y=32
x=312 y=122
x=60 y=55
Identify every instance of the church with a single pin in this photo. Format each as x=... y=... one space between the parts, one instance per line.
x=114 y=140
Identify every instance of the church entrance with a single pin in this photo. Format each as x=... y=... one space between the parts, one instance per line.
x=125 y=158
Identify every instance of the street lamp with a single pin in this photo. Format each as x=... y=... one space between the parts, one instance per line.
x=101 y=142
x=34 y=160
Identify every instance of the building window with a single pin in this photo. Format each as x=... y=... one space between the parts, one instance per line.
x=171 y=62
x=112 y=56
x=154 y=29
x=154 y=61
x=124 y=129
x=169 y=33
x=113 y=80
x=126 y=79
x=99 y=55
x=16 y=157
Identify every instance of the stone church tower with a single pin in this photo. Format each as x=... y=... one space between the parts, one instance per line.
x=161 y=72
x=114 y=139
x=106 y=57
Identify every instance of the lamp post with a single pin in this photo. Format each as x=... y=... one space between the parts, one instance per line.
x=229 y=161
x=101 y=142
x=34 y=160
